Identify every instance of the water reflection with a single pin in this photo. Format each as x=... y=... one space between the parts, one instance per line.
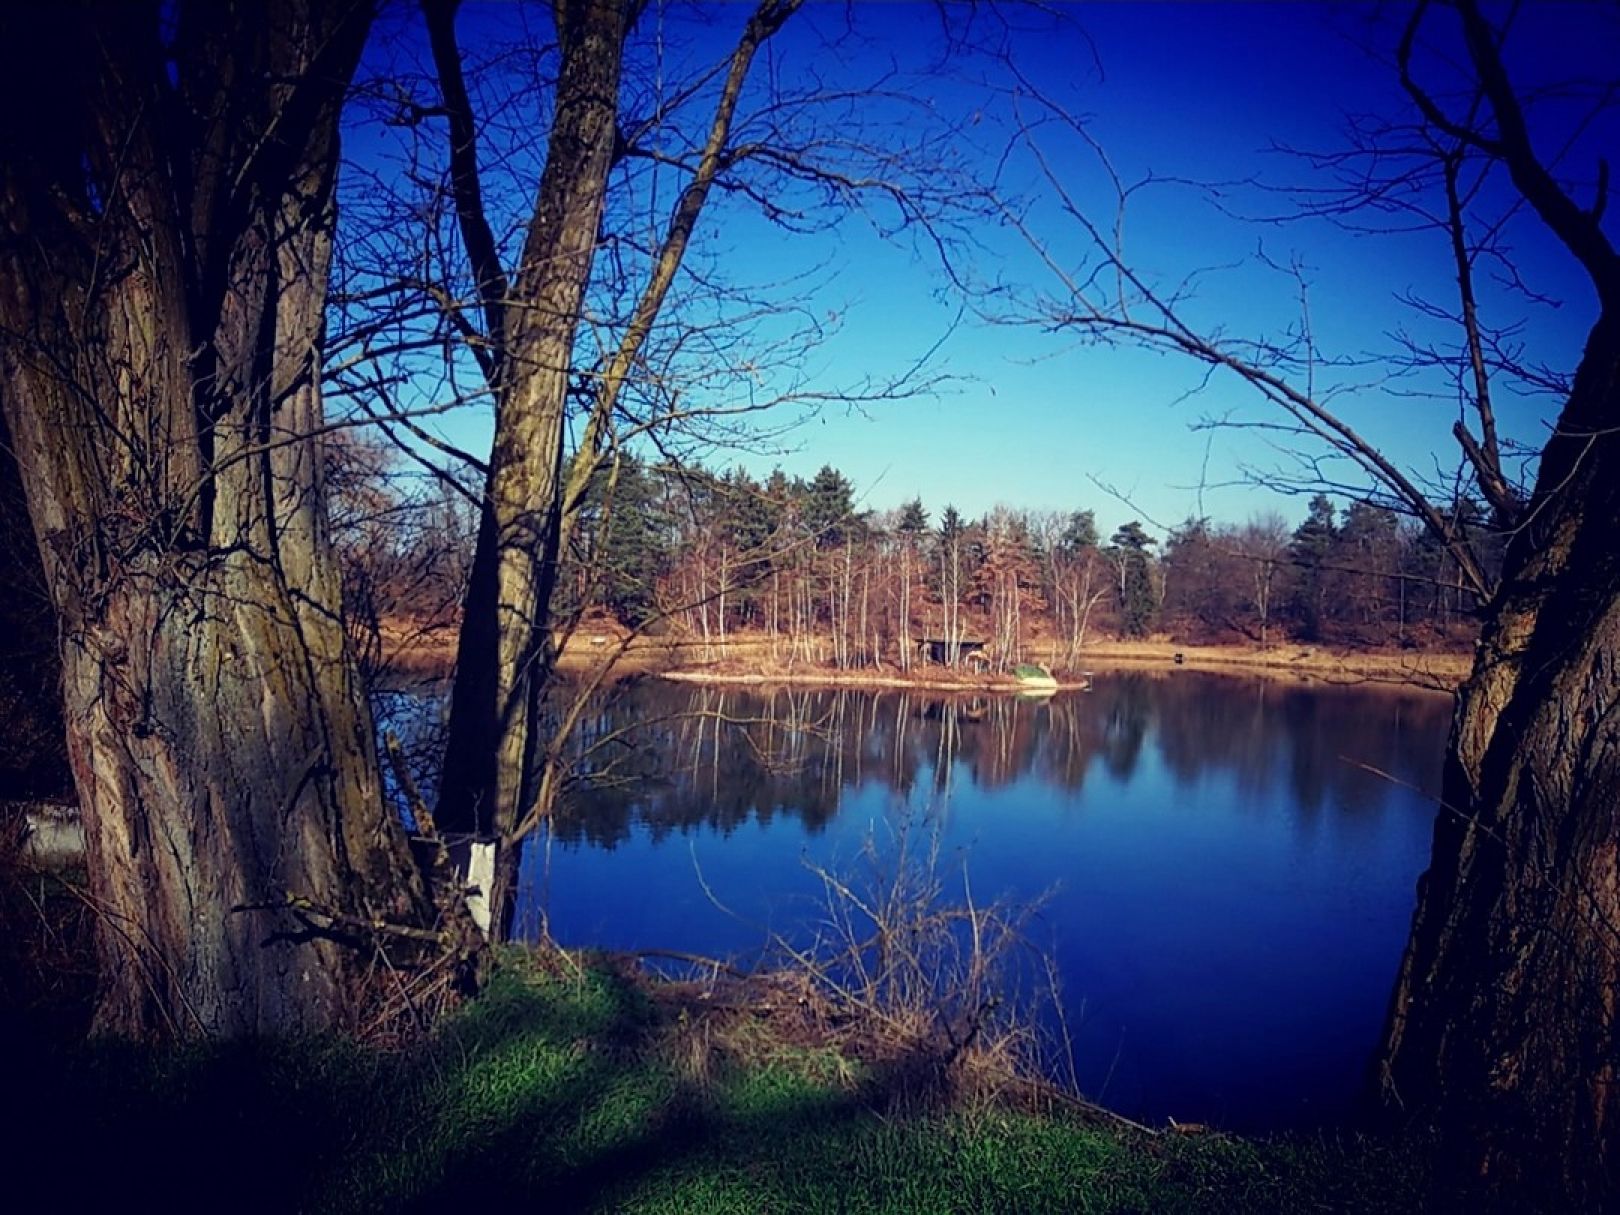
x=1234 y=860
x=667 y=757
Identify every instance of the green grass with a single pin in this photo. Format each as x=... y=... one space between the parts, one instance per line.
x=559 y=1092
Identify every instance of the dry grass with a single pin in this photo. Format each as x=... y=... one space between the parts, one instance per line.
x=747 y=658
x=901 y=977
x=1440 y=670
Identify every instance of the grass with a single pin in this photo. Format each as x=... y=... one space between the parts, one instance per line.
x=591 y=1090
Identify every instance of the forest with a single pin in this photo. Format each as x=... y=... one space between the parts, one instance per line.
x=800 y=563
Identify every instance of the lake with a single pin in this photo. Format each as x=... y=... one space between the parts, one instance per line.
x=1231 y=862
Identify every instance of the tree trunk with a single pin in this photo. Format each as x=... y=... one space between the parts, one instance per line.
x=223 y=760
x=1503 y=1028
x=504 y=658
x=161 y=384
x=493 y=767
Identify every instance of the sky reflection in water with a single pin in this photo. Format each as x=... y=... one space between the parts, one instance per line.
x=1232 y=890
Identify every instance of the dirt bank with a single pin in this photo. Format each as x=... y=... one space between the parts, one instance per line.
x=1440 y=670
x=750 y=660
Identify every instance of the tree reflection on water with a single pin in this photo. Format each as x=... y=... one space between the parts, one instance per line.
x=676 y=756
x=1232 y=861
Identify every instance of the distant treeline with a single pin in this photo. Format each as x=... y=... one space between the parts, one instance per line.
x=798 y=563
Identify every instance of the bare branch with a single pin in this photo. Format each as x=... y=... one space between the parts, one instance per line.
x=482 y=250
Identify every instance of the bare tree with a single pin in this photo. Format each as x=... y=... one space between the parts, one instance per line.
x=1503 y=1028
x=167 y=219
x=1263 y=543
x=531 y=320
x=567 y=309
x=1504 y=1025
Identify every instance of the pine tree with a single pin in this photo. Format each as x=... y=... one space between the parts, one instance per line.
x=631 y=545
x=829 y=508
x=1080 y=532
x=913 y=519
x=1132 y=561
x=1313 y=542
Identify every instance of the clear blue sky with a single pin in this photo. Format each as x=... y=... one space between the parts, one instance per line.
x=1202 y=92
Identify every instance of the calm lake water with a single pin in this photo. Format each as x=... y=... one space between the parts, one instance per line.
x=1231 y=886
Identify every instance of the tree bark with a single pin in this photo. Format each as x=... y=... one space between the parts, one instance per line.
x=494 y=771
x=1502 y=1030
x=165 y=279
x=1503 y=1027
x=504 y=655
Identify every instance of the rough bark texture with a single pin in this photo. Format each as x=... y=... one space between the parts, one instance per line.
x=504 y=655
x=165 y=249
x=1503 y=1027
x=1502 y=1031
x=499 y=774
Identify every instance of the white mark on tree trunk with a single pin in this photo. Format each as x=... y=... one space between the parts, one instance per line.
x=480 y=881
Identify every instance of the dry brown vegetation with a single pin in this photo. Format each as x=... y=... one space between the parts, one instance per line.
x=747 y=659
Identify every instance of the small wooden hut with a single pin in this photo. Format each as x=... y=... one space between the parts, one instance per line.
x=938 y=650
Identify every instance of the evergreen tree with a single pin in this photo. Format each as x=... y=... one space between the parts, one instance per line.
x=1367 y=549
x=626 y=545
x=1200 y=591
x=1080 y=532
x=749 y=520
x=949 y=562
x=1313 y=543
x=1133 y=564
x=829 y=508
x=913 y=519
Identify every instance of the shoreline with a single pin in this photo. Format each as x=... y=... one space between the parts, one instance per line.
x=748 y=662
x=1440 y=671
x=866 y=679
x=1434 y=672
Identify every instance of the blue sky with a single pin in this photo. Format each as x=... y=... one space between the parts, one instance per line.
x=1030 y=417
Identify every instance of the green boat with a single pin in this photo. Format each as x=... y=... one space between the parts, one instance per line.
x=1031 y=677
